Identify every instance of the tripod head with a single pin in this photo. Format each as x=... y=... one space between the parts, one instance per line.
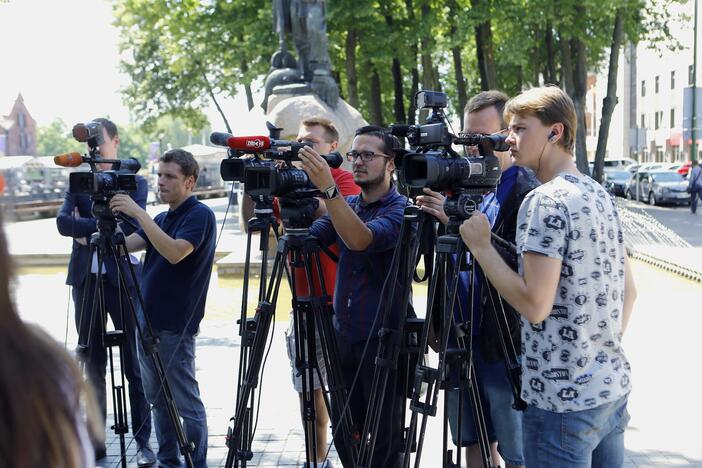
x=298 y=213
x=460 y=205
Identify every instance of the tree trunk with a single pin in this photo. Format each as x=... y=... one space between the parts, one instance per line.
x=376 y=101
x=430 y=79
x=457 y=63
x=610 y=101
x=566 y=66
x=550 y=76
x=414 y=47
x=399 y=92
x=399 y=100
x=484 y=51
x=579 y=93
x=247 y=87
x=351 y=77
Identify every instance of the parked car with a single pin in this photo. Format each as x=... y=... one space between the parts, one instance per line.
x=615 y=181
x=684 y=169
x=618 y=164
x=658 y=186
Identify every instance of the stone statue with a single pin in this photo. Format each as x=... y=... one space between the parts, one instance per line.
x=305 y=20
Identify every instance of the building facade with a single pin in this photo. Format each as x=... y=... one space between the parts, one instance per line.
x=18 y=131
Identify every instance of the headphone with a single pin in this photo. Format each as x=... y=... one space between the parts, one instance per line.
x=551 y=135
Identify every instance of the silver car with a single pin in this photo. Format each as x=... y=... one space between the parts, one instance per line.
x=658 y=186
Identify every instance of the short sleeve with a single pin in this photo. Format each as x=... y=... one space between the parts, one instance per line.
x=195 y=226
x=542 y=226
x=344 y=181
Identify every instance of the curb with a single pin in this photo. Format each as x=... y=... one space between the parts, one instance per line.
x=668 y=266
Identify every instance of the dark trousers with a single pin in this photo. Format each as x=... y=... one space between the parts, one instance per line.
x=96 y=361
x=695 y=194
x=388 y=447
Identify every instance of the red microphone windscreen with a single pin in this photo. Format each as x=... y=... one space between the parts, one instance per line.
x=249 y=143
x=68 y=160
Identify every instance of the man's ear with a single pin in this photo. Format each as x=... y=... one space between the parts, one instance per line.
x=334 y=145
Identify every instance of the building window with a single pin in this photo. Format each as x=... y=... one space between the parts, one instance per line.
x=643 y=88
x=690 y=73
x=658 y=120
x=672 y=118
x=658 y=83
x=23 y=142
x=643 y=120
x=20 y=119
x=672 y=79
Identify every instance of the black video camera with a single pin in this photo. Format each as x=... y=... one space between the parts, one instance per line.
x=101 y=183
x=270 y=171
x=434 y=164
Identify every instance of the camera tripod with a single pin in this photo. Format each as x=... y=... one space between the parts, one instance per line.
x=396 y=350
x=310 y=313
x=92 y=322
x=455 y=370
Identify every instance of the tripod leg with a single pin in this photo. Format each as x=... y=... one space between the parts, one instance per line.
x=152 y=359
x=263 y=318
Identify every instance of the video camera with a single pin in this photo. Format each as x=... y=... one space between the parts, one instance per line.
x=434 y=164
x=99 y=183
x=269 y=172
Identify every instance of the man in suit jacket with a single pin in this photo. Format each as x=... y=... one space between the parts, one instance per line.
x=75 y=219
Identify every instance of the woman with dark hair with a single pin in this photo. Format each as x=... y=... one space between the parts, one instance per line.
x=43 y=400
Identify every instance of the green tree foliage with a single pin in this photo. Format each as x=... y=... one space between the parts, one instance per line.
x=185 y=54
x=55 y=138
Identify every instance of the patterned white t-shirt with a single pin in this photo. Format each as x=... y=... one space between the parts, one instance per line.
x=573 y=360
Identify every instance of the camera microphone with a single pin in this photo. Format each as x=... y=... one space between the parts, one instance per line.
x=68 y=160
x=220 y=138
x=129 y=165
x=334 y=159
x=250 y=143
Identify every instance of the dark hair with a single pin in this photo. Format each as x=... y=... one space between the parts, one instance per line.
x=329 y=128
x=390 y=142
x=43 y=398
x=109 y=126
x=486 y=99
x=186 y=161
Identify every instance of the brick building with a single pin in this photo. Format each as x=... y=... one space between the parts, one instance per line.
x=18 y=131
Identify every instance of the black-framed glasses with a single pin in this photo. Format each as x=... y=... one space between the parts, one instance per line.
x=366 y=156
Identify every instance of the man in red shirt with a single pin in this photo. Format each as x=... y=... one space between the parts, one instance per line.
x=324 y=138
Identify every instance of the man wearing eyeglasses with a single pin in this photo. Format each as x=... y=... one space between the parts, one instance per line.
x=483 y=114
x=367 y=228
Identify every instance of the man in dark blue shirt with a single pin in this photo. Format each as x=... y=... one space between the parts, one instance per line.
x=180 y=247
x=367 y=228
x=76 y=220
x=483 y=114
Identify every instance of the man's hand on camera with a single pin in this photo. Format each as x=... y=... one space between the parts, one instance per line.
x=316 y=167
x=124 y=204
x=433 y=203
x=475 y=232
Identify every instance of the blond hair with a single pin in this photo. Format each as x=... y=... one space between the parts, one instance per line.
x=550 y=105
x=329 y=128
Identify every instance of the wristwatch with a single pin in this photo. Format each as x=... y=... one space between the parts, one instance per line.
x=330 y=193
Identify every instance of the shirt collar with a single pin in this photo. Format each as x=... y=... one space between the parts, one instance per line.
x=382 y=200
x=185 y=206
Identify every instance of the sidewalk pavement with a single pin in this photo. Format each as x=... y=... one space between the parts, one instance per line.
x=661 y=344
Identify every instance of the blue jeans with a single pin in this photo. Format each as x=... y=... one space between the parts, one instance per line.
x=504 y=423
x=179 y=362
x=588 y=438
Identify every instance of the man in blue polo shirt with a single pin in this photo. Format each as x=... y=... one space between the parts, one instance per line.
x=367 y=228
x=180 y=247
